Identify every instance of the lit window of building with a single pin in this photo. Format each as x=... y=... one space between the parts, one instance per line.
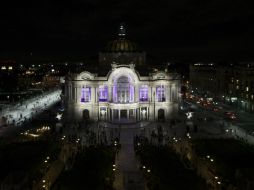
x=143 y=93
x=123 y=90
x=237 y=87
x=103 y=93
x=160 y=92
x=86 y=94
x=247 y=89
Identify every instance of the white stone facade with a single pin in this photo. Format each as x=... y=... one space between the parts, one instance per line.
x=122 y=96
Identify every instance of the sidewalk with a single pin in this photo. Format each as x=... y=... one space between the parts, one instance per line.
x=128 y=176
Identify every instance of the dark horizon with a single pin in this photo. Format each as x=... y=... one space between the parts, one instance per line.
x=180 y=30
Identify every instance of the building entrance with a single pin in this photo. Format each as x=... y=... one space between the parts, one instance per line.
x=161 y=115
x=123 y=114
x=86 y=114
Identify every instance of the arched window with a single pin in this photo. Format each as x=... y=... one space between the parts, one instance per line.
x=86 y=94
x=123 y=91
x=160 y=93
x=143 y=93
x=103 y=93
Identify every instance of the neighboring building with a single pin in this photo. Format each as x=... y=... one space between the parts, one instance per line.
x=50 y=81
x=210 y=79
x=8 y=75
x=232 y=83
x=123 y=93
x=241 y=87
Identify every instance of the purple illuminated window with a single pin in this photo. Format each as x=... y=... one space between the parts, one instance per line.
x=123 y=91
x=86 y=94
x=143 y=93
x=160 y=93
x=103 y=93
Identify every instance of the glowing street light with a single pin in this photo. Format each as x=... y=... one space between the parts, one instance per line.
x=59 y=116
x=189 y=115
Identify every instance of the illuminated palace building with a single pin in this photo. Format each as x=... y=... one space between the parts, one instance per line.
x=122 y=95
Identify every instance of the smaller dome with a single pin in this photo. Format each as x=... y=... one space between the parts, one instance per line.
x=121 y=45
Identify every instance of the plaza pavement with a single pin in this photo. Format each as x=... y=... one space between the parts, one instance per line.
x=128 y=175
x=18 y=114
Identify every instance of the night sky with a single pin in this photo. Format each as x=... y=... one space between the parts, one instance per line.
x=177 y=29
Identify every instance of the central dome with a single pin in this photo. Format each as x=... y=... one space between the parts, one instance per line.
x=121 y=45
x=121 y=51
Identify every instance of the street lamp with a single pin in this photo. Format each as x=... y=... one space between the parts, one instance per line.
x=154 y=105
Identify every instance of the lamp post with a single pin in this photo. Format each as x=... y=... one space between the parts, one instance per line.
x=98 y=105
x=98 y=116
x=154 y=106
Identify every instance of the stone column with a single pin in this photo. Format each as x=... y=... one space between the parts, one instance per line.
x=178 y=90
x=70 y=93
x=95 y=95
x=149 y=93
x=153 y=94
x=73 y=93
x=128 y=113
x=148 y=115
x=110 y=93
x=66 y=92
x=154 y=101
x=170 y=93
x=119 y=114
x=76 y=94
x=136 y=92
x=173 y=92
x=166 y=93
x=125 y=96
